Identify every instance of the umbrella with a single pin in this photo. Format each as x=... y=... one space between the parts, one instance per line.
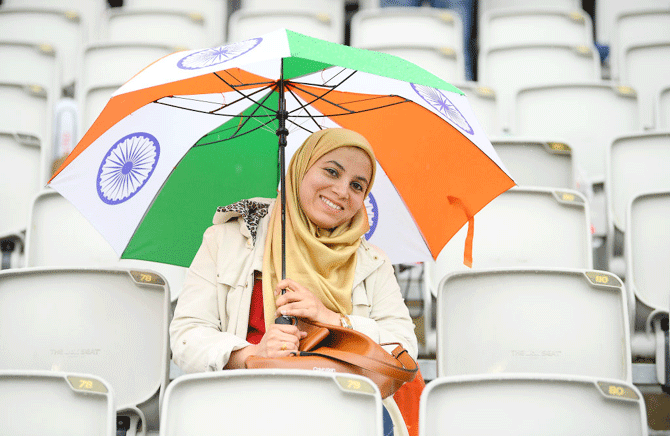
x=204 y=128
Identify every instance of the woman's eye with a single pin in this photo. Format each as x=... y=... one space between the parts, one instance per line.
x=331 y=171
x=357 y=186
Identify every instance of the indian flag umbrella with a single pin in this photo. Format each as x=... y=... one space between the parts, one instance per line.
x=205 y=128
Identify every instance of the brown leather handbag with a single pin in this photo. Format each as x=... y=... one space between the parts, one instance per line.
x=338 y=349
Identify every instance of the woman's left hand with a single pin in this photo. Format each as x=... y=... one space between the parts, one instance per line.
x=299 y=301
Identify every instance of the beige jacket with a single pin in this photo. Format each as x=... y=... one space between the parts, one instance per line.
x=212 y=314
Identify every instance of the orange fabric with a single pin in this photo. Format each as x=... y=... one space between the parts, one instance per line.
x=407 y=398
x=467 y=255
x=421 y=174
x=123 y=105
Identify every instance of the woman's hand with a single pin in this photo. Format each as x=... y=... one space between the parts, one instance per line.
x=279 y=340
x=299 y=301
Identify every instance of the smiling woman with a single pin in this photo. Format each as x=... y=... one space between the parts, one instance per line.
x=233 y=290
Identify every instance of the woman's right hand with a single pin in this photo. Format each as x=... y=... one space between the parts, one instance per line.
x=279 y=340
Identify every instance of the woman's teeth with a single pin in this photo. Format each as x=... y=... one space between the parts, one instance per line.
x=330 y=203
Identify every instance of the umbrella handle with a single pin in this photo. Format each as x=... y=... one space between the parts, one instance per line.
x=286 y=320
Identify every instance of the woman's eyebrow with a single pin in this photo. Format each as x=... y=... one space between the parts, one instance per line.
x=337 y=164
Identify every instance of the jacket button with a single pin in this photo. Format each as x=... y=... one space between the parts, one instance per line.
x=184 y=342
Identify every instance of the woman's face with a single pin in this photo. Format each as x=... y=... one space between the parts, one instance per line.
x=333 y=189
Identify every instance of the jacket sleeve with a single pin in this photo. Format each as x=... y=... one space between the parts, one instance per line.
x=389 y=319
x=198 y=336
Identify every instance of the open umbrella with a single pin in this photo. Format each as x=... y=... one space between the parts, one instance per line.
x=204 y=128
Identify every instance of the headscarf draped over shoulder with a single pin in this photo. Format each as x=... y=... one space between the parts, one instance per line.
x=322 y=260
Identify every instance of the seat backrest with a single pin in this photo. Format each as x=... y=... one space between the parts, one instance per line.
x=646 y=249
x=642 y=25
x=662 y=106
x=530 y=404
x=65 y=30
x=204 y=403
x=635 y=164
x=590 y=115
x=645 y=68
x=27 y=62
x=407 y=27
x=606 y=12
x=56 y=403
x=510 y=68
x=74 y=242
x=488 y=5
x=111 y=323
x=214 y=13
x=244 y=23
x=537 y=162
x=524 y=227
x=566 y=321
x=556 y=25
x=27 y=110
x=154 y=25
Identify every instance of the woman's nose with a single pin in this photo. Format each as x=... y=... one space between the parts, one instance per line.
x=340 y=188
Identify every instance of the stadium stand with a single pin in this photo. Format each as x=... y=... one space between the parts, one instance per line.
x=531 y=404
x=111 y=323
x=553 y=131
x=56 y=403
x=198 y=404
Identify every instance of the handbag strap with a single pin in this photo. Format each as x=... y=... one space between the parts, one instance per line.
x=405 y=372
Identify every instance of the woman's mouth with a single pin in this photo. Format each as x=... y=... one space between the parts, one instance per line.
x=331 y=204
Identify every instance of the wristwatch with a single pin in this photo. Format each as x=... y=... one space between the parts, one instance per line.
x=346 y=322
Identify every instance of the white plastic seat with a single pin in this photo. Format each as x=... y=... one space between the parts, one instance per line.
x=646 y=249
x=28 y=62
x=249 y=23
x=525 y=227
x=157 y=26
x=56 y=403
x=430 y=38
x=606 y=12
x=641 y=25
x=531 y=404
x=636 y=164
x=75 y=243
x=512 y=67
x=215 y=13
x=65 y=30
x=586 y=115
x=645 y=67
x=524 y=25
x=537 y=162
x=111 y=323
x=21 y=161
x=566 y=321
x=487 y=5
x=328 y=403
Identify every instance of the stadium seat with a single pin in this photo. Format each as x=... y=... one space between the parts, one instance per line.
x=62 y=29
x=645 y=67
x=58 y=235
x=525 y=226
x=566 y=321
x=638 y=26
x=248 y=23
x=586 y=115
x=636 y=163
x=21 y=165
x=28 y=62
x=485 y=105
x=157 y=26
x=512 y=67
x=111 y=323
x=524 y=25
x=537 y=162
x=327 y=404
x=606 y=12
x=215 y=13
x=488 y=5
x=56 y=404
x=531 y=404
x=646 y=249
x=430 y=38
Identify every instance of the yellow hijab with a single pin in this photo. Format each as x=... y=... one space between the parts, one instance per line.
x=322 y=260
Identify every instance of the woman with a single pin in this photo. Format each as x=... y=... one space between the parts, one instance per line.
x=233 y=290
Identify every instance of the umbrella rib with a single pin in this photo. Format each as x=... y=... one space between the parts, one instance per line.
x=306 y=111
x=235 y=135
x=234 y=87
